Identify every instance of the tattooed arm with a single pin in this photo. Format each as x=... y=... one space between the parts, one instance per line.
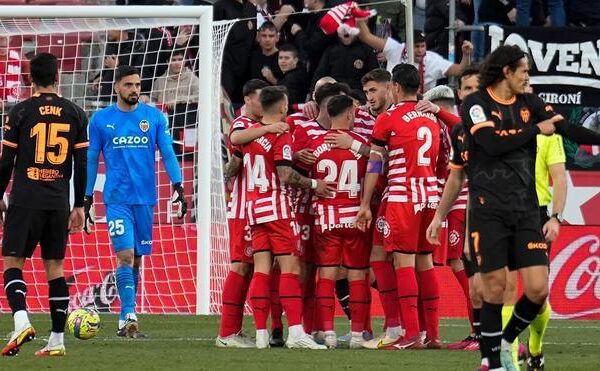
x=232 y=168
x=293 y=178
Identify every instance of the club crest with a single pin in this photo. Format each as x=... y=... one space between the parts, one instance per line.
x=144 y=125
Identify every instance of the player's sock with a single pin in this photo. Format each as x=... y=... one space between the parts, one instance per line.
x=429 y=293
x=325 y=303
x=477 y=330
x=342 y=291
x=524 y=312
x=368 y=326
x=507 y=312
x=126 y=290
x=260 y=300
x=359 y=304
x=538 y=329
x=244 y=296
x=16 y=291
x=290 y=293
x=388 y=292
x=463 y=281
x=58 y=295
x=407 y=296
x=308 y=303
x=421 y=313
x=56 y=339
x=276 y=311
x=491 y=332
x=233 y=304
x=136 y=280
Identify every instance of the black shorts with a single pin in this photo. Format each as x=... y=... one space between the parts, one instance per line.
x=503 y=238
x=544 y=217
x=24 y=228
x=470 y=266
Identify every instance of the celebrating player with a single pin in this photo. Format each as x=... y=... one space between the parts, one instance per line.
x=47 y=135
x=127 y=133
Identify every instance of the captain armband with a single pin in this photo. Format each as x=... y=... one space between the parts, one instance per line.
x=377 y=153
x=375 y=166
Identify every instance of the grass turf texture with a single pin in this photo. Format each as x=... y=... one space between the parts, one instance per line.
x=187 y=343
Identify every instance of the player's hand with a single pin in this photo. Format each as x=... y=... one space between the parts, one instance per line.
x=551 y=229
x=89 y=214
x=178 y=200
x=277 y=128
x=340 y=139
x=363 y=219
x=381 y=58
x=427 y=106
x=295 y=29
x=305 y=156
x=325 y=189
x=3 y=209
x=76 y=220
x=547 y=126
x=433 y=231
x=111 y=61
x=311 y=110
x=183 y=36
x=467 y=47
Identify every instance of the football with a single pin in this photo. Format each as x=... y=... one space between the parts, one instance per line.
x=84 y=323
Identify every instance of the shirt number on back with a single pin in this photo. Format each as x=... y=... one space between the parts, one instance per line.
x=52 y=139
x=424 y=135
x=256 y=172
x=348 y=176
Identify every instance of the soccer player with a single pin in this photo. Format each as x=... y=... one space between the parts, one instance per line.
x=338 y=241
x=127 y=133
x=412 y=139
x=45 y=142
x=268 y=165
x=501 y=122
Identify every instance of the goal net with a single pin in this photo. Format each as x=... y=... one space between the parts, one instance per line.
x=178 y=53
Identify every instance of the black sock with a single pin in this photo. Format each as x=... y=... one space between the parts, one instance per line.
x=525 y=311
x=58 y=294
x=491 y=332
x=15 y=289
x=342 y=291
x=477 y=330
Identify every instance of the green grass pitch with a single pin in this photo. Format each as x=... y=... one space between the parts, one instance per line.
x=187 y=343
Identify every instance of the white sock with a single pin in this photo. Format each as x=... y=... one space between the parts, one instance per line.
x=356 y=334
x=485 y=362
x=121 y=323
x=393 y=332
x=21 y=320
x=296 y=331
x=262 y=333
x=131 y=316
x=506 y=346
x=56 y=339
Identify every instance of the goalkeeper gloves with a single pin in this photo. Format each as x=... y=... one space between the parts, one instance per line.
x=90 y=213
x=178 y=200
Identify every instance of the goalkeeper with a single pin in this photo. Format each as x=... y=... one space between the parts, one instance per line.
x=127 y=134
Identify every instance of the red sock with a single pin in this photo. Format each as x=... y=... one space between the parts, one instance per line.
x=232 y=310
x=421 y=311
x=367 y=323
x=260 y=301
x=407 y=297
x=463 y=280
x=247 y=281
x=290 y=293
x=276 y=310
x=388 y=293
x=326 y=303
x=308 y=303
x=430 y=295
x=359 y=304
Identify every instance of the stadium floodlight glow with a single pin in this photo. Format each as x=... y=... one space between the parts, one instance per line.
x=77 y=35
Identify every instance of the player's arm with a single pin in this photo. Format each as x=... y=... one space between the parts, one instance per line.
x=375 y=166
x=10 y=143
x=165 y=146
x=233 y=166
x=343 y=140
x=240 y=136
x=452 y=189
x=555 y=159
x=93 y=158
x=291 y=177
x=80 y=148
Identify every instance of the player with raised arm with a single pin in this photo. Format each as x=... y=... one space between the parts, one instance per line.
x=412 y=140
x=45 y=142
x=127 y=134
x=268 y=165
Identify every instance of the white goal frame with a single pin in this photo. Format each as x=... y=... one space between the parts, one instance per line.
x=208 y=98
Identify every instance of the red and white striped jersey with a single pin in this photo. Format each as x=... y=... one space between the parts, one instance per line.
x=236 y=207
x=413 y=142
x=267 y=198
x=364 y=122
x=347 y=169
x=442 y=170
x=295 y=119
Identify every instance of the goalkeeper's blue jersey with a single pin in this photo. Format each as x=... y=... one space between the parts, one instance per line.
x=128 y=142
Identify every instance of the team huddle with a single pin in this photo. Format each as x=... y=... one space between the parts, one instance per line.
x=356 y=198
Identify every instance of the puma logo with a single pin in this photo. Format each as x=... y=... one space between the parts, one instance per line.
x=112 y=126
x=61 y=311
x=20 y=292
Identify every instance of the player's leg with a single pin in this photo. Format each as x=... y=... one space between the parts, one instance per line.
x=408 y=294
x=326 y=302
x=342 y=291
x=276 y=339
x=510 y=299
x=259 y=291
x=356 y=253
x=476 y=297
x=429 y=295
x=308 y=273
x=18 y=222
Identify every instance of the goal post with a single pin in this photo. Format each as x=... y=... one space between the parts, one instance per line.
x=186 y=275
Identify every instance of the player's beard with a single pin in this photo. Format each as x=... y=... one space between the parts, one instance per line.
x=131 y=100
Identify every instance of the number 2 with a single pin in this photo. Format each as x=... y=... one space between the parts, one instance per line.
x=53 y=139
x=424 y=134
x=116 y=227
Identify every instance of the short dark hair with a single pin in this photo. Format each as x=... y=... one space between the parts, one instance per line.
x=407 y=76
x=252 y=86
x=124 y=71
x=44 y=68
x=418 y=37
x=178 y=51
x=329 y=90
x=268 y=26
x=470 y=70
x=339 y=104
x=271 y=96
x=359 y=95
x=494 y=63
x=289 y=48
x=377 y=75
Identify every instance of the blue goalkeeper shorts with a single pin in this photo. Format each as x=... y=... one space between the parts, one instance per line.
x=130 y=227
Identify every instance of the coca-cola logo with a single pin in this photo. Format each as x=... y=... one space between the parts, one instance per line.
x=575 y=279
x=101 y=296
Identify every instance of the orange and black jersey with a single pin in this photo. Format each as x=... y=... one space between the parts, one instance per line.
x=460 y=152
x=48 y=136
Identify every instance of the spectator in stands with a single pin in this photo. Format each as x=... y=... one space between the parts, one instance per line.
x=264 y=63
x=584 y=13
x=177 y=85
x=436 y=23
x=346 y=61
x=391 y=15
x=236 y=55
x=14 y=73
x=431 y=66
x=294 y=75
x=529 y=11
x=491 y=12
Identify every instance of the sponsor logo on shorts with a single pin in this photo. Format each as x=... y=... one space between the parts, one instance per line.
x=454 y=237
x=537 y=246
x=339 y=225
x=383 y=226
x=146 y=242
